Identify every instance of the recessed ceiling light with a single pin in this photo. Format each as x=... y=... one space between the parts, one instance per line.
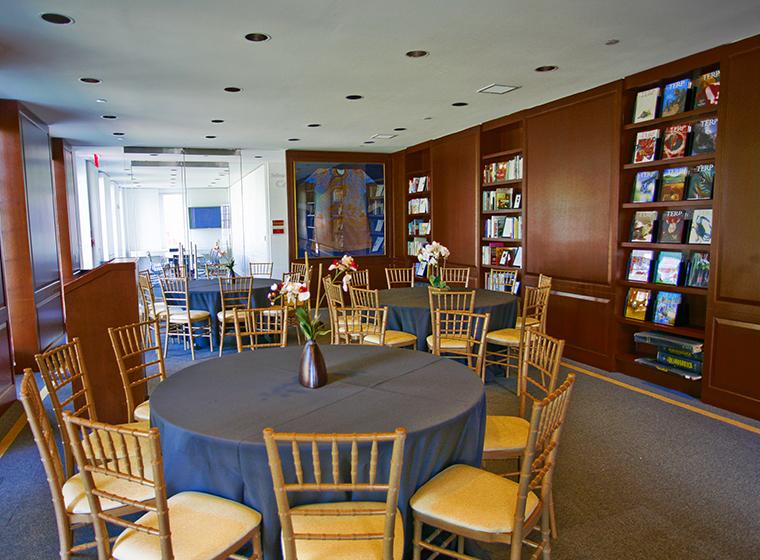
x=232 y=89
x=89 y=80
x=118 y=134
x=612 y=42
x=210 y=136
x=294 y=139
x=258 y=157
x=257 y=37
x=154 y=155
x=417 y=54
x=313 y=125
x=217 y=121
x=459 y=104
x=369 y=142
x=109 y=117
x=428 y=119
x=58 y=19
x=354 y=97
x=383 y=136
x=546 y=68
x=399 y=129
x=101 y=100
x=497 y=89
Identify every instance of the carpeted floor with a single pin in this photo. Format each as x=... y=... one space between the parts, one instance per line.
x=637 y=478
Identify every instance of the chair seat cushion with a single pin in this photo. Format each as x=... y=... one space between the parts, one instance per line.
x=181 y=316
x=529 y=322
x=202 y=527
x=345 y=550
x=392 y=338
x=505 y=434
x=227 y=315
x=504 y=337
x=446 y=342
x=142 y=412
x=473 y=499
x=159 y=307
x=75 y=499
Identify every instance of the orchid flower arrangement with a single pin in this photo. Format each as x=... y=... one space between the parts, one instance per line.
x=344 y=266
x=433 y=254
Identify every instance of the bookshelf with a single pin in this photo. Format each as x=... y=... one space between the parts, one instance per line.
x=692 y=313
x=502 y=197
x=418 y=202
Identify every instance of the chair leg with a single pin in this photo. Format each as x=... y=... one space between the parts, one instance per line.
x=417 y=539
x=460 y=544
x=192 y=340
x=553 y=516
x=222 y=326
x=546 y=540
x=257 y=553
x=211 y=335
x=166 y=340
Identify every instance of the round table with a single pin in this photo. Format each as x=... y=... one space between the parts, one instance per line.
x=211 y=416
x=409 y=310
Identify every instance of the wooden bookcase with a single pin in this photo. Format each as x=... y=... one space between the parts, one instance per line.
x=501 y=141
x=417 y=165
x=695 y=298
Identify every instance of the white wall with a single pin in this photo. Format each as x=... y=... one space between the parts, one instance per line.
x=256 y=212
x=278 y=210
x=142 y=215
x=205 y=238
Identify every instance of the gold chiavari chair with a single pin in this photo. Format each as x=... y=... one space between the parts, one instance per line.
x=502 y=280
x=361 y=297
x=235 y=294
x=543 y=282
x=174 y=271
x=180 y=319
x=299 y=268
x=217 y=270
x=465 y=502
x=400 y=277
x=65 y=375
x=507 y=344
x=260 y=269
x=151 y=308
x=457 y=277
x=140 y=359
x=460 y=335
x=72 y=510
x=360 y=529
x=187 y=525
x=361 y=325
x=334 y=297
x=261 y=328
x=449 y=300
x=360 y=278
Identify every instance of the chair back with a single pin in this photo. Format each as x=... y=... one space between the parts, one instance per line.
x=236 y=292
x=217 y=270
x=334 y=297
x=449 y=300
x=68 y=384
x=263 y=327
x=539 y=369
x=462 y=335
x=400 y=277
x=458 y=277
x=299 y=268
x=544 y=281
x=502 y=280
x=260 y=269
x=172 y=270
x=96 y=448
x=360 y=278
x=355 y=324
x=175 y=293
x=534 y=306
x=367 y=461
x=147 y=297
x=362 y=297
x=139 y=356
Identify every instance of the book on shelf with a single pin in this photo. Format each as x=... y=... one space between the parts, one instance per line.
x=645 y=186
x=642 y=226
x=517 y=253
x=637 y=303
x=420 y=268
x=418 y=227
x=701 y=227
x=413 y=247
x=667 y=368
x=674 y=141
x=698 y=273
x=646 y=105
x=503 y=170
x=673 y=183
x=672 y=225
x=675 y=96
x=517 y=201
x=704 y=137
x=686 y=363
x=497 y=254
x=699 y=356
x=499 y=199
x=640 y=265
x=422 y=184
x=667 y=308
x=645 y=149
x=419 y=206
x=670 y=341
x=668 y=268
x=418 y=184
x=707 y=89
x=505 y=227
x=701 y=179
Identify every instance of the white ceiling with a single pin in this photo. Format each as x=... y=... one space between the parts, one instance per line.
x=164 y=63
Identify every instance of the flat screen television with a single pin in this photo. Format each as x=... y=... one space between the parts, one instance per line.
x=205 y=217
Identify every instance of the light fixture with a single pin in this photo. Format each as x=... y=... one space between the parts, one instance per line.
x=109 y=117
x=101 y=100
x=57 y=19
x=547 y=68
x=217 y=121
x=314 y=125
x=417 y=54
x=294 y=139
x=210 y=136
x=89 y=80
x=369 y=142
x=612 y=42
x=257 y=37
x=459 y=104
x=354 y=97
x=232 y=89
x=258 y=157
x=383 y=136
x=118 y=134
x=428 y=119
x=399 y=129
x=497 y=89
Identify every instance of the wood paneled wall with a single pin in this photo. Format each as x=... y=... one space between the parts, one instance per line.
x=62 y=213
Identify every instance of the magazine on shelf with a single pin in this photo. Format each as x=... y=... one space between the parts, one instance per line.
x=698 y=275
x=708 y=89
x=701 y=179
x=666 y=308
x=675 y=96
x=642 y=226
x=640 y=265
x=645 y=149
x=704 y=137
x=668 y=268
x=672 y=225
x=674 y=141
x=644 y=186
x=673 y=183
x=637 y=303
x=646 y=105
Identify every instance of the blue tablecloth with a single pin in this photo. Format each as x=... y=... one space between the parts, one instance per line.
x=211 y=416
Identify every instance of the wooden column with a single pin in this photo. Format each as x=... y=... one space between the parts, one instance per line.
x=58 y=147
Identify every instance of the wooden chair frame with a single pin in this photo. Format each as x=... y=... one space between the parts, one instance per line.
x=503 y=280
x=145 y=467
x=260 y=269
x=217 y=270
x=236 y=293
x=174 y=271
x=271 y=322
x=544 y=281
x=151 y=308
x=458 y=277
x=359 y=279
x=335 y=442
x=402 y=276
x=536 y=475
x=132 y=344
x=466 y=327
x=363 y=297
x=177 y=300
x=359 y=322
x=334 y=297
x=451 y=300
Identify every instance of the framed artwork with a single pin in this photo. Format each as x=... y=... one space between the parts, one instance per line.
x=339 y=208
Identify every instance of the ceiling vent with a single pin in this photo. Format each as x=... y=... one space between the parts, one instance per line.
x=498 y=89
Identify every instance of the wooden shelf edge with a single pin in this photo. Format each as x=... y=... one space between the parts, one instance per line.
x=664 y=287
x=500 y=212
x=666 y=246
x=691 y=332
x=502 y=183
x=672 y=162
x=421 y=194
x=503 y=240
x=503 y=153
x=500 y=267
x=631 y=359
x=686 y=116
x=706 y=202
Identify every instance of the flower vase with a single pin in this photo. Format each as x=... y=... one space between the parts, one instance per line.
x=312 y=372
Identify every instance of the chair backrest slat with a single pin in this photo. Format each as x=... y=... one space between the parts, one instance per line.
x=359 y=278
x=355 y=324
x=262 y=327
x=539 y=369
x=458 y=277
x=260 y=269
x=451 y=300
x=217 y=270
x=502 y=280
x=363 y=297
x=461 y=335
x=400 y=277
x=235 y=292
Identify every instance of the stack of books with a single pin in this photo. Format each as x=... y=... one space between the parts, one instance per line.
x=675 y=354
x=503 y=171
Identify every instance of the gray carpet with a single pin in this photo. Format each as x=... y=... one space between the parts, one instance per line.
x=636 y=479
